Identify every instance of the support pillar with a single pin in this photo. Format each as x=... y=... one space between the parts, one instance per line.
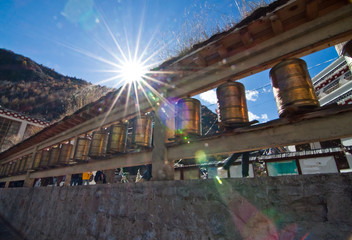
x=162 y=168
x=68 y=179
x=110 y=175
x=28 y=181
x=7 y=184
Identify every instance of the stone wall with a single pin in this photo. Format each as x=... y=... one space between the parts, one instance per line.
x=308 y=207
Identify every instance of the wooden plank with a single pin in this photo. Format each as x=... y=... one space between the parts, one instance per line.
x=281 y=132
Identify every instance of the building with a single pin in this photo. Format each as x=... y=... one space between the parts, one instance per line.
x=14 y=127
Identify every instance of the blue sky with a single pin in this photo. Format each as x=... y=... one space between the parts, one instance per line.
x=72 y=37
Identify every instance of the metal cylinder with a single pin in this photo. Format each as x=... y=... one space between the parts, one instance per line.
x=27 y=164
x=37 y=159
x=98 y=144
x=347 y=53
x=44 y=160
x=65 y=153
x=142 y=131
x=54 y=156
x=23 y=164
x=81 y=149
x=16 y=167
x=293 y=88
x=188 y=117
x=12 y=167
x=117 y=138
x=232 y=103
x=7 y=169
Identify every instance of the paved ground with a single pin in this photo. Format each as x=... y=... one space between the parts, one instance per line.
x=8 y=233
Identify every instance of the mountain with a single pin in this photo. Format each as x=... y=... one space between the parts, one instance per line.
x=36 y=90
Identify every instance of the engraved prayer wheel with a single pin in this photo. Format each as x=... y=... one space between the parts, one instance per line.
x=23 y=164
x=65 y=153
x=142 y=131
x=12 y=167
x=7 y=170
x=37 y=159
x=292 y=87
x=117 y=138
x=44 y=160
x=232 y=103
x=27 y=164
x=81 y=150
x=54 y=156
x=98 y=144
x=17 y=166
x=188 y=117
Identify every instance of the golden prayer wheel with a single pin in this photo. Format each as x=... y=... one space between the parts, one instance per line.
x=12 y=167
x=98 y=144
x=142 y=131
x=293 y=88
x=23 y=164
x=188 y=117
x=347 y=49
x=27 y=163
x=65 y=153
x=37 y=159
x=54 y=156
x=17 y=166
x=6 y=169
x=117 y=138
x=44 y=160
x=232 y=103
x=81 y=149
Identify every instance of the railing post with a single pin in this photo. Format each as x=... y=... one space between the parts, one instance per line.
x=162 y=169
x=28 y=181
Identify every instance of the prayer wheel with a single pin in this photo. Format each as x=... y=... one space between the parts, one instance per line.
x=293 y=88
x=98 y=144
x=7 y=169
x=188 y=117
x=142 y=131
x=65 y=153
x=37 y=158
x=117 y=138
x=27 y=164
x=12 y=167
x=3 y=168
x=232 y=103
x=23 y=164
x=54 y=156
x=44 y=160
x=16 y=167
x=81 y=150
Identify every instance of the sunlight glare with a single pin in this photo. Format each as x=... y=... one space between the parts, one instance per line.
x=132 y=71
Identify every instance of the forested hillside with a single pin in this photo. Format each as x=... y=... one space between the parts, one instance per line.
x=39 y=91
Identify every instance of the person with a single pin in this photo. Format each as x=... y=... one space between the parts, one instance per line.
x=85 y=177
x=100 y=177
x=74 y=180
x=38 y=183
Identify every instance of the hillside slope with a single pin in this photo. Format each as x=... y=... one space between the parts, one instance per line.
x=36 y=90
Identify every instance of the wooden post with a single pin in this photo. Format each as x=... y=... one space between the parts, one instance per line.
x=162 y=168
x=68 y=179
x=7 y=184
x=28 y=181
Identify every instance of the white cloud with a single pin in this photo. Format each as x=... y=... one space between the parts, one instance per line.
x=209 y=96
x=263 y=118
x=252 y=95
x=252 y=116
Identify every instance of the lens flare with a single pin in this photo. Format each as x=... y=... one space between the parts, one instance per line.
x=132 y=71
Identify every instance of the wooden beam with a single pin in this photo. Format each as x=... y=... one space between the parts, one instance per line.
x=281 y=132
x=307 y=38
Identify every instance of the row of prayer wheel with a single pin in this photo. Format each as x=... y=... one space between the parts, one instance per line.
x=102 y=143
x=18 y=166
x=293 y=91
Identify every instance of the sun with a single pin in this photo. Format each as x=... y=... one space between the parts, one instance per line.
x=132 y=71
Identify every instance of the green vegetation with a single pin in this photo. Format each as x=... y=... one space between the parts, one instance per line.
x=38 y=91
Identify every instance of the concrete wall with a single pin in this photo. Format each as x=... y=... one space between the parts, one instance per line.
x=293 y=207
